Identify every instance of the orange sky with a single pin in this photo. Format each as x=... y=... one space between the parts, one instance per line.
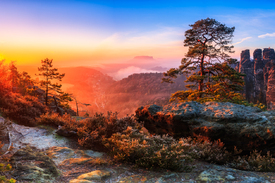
x=91 y=33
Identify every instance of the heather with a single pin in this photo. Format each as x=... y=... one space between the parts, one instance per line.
x=128 y=141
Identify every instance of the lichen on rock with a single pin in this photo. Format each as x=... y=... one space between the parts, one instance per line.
x=32 y=165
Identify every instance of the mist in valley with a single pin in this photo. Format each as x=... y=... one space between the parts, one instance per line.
x=95 y=92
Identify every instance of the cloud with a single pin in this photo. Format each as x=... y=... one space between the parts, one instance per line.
x=125 y=72
x=161 y=36
x=242 y=40
x=267 y=35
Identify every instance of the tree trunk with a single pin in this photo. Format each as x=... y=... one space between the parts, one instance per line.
x=76 y=107
x=46 y=98
x=202 y=74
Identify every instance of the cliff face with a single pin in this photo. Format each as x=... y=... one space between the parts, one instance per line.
x=260 y=76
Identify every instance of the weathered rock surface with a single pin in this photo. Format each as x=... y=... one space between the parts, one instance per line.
x=65 y=155
x=96 y=175
x=258 y=73
x=211 y=173
x=247 y=128
x=31 y=165
x=39 y=137
x=270 y=92
x=222 y=174
x=268 y=54
x=247 y=67
x=62 y=132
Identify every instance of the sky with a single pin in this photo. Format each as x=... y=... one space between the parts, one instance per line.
x=94 y=33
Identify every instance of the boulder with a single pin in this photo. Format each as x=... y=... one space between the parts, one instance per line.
x=96 y=175
x=32 y=165
x=247 y=128
x=65 y=155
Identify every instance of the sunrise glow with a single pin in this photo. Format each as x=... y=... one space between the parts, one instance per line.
x=92 y=33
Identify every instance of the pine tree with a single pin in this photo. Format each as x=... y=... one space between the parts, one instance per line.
x=19 y=81
x=49 y=74
x=14 y=75
x=207 y=65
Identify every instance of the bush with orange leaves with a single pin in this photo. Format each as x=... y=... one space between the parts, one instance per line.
x=22 y=109
x=4 y=166
x=55 y=120
x=128 y=141
x=92 y=131
x=5 y=84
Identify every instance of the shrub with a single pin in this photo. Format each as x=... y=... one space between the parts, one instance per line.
x=259 y=105
x=128 y=141
x=150 y=151
x=55 y=120
x=5 y=168
x=137 y=146
x=22 y=109
x=91 y=131
x=255 y=162
x=202 y=148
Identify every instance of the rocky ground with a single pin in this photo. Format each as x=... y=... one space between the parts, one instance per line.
x=40 y=155
x=247 y=128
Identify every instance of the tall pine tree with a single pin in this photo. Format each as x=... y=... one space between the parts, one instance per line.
x=49 y=74
x=207 y=65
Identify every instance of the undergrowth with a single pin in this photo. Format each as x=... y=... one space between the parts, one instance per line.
x=22 y=109
x=4 y=167
x=127 y=140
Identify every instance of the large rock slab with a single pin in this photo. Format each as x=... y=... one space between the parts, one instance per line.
x=247 y=128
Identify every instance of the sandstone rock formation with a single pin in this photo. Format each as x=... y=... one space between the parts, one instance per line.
x=247 y=67
x=259 y=84
x=247 y=128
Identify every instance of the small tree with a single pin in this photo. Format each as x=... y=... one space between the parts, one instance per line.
x=5 y=84
x=49 y=74
x=207 y=63
x=20 y=81
x=14 y=75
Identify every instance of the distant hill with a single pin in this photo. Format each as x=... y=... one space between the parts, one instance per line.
x=85 y=77
x=90 y=86
x=142 y=89
x=147 y=84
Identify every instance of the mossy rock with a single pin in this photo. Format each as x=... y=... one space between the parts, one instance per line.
x=32 y=165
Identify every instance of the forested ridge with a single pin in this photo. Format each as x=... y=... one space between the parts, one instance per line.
x=123 y=96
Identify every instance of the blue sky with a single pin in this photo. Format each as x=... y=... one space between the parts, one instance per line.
x=96 y=32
